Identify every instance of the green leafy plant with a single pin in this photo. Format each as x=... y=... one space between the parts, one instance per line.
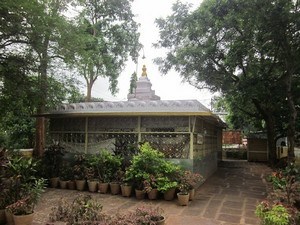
x=165 y=183
x=30 y=193
x=280 y=208
x=286 y=184
x=66 y=172
x=52 y=160
x=150 y=163
x=272 y=214
x=105 y=164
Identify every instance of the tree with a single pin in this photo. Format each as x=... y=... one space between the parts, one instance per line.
x=133 y=80
x=37 y=29
x=18 y=101
x=106 y=36
x=248 y=49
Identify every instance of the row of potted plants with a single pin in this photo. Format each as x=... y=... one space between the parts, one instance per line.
x=22 y=179
x=148 y=173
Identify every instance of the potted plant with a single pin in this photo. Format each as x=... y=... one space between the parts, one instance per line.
x=115 y=184
x=106 y=166
x=150 y=187
x=65 y=175
x=71 y=184
x=23 y=208
x=126 y=189
x=183 y=194
x=52 y=162
x=114 y=172
x=79 y=171
x=91 y=173
x=92 y=181
x=24 y=187
x=167 y=187
x=147 y=161
x=136 y=177
x=188 y=181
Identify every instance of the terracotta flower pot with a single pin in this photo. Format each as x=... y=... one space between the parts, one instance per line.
x=169 y=194
x=9 y=218
x=126 y=190
x=63 y=184
x=23 y=219
x=183 y=199
x=103 y=187
x=160 y=221
x=71 y=185
x=192 y=194
x=152 y=195
x=139 y=194
x=2 y=216
x=80 y=185
x=114 y=188
x=54 y=181
x=93 y=185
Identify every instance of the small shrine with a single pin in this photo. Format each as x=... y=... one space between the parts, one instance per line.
x=184 y=130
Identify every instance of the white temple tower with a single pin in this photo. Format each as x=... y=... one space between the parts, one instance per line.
x=143 y=89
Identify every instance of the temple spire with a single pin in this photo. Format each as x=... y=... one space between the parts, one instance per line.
x=143 y=89
x=144 y=73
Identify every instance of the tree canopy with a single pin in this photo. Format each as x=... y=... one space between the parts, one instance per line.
x=106 y=36
x=39 y=40
x=247 y=50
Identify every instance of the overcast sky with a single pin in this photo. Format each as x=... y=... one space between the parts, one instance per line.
x=168 y=87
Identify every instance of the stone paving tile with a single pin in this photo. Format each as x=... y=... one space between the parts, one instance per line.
x=210 y=213
x=225 y=210
x=251 y=221
x=229 y=218
x=233 y=204
x=186 y=220
x=229 y=197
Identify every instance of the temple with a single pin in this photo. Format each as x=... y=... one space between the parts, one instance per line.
x=184 y=130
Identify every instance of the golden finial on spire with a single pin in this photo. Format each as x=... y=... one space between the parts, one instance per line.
x=144 y=73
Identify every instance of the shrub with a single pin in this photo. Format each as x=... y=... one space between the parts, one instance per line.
x=83 y=210
x=86 y=211
x=280 y=208
x=150 y=163
x=105 y=164
x=272 y=214
x=52 y=160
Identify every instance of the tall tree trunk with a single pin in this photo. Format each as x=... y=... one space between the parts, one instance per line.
x=271 y=135
x=40 y=123
x=90 y=79
x=268 y=117
x=291 y=129
x=88 y=92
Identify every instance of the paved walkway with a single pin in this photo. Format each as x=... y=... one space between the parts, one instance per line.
x=229 y=197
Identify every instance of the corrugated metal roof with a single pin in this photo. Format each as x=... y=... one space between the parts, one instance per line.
x=151 y=107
